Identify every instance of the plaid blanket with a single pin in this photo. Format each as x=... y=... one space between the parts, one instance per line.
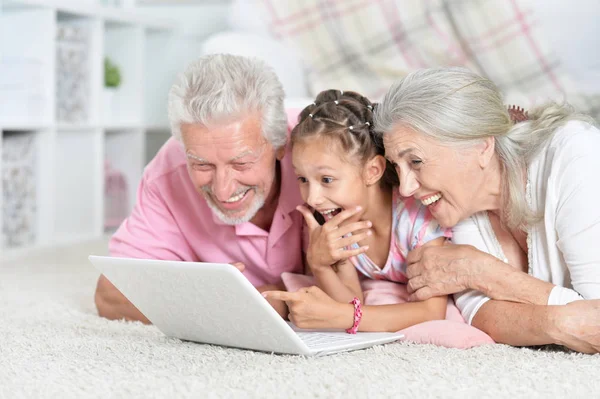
x=365 y=45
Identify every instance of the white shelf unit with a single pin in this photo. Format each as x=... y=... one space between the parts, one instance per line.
x=73 y=138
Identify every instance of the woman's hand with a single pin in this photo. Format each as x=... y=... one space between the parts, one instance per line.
x=444 y=270
x=577 y=325
x=311 y=308
x=327 y=242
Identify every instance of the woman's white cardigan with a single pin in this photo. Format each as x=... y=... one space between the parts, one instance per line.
x=564 y=247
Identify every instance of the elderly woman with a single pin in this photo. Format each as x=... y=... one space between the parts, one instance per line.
x=519 y=194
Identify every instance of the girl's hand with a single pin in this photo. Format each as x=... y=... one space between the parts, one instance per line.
x=327 y=242
x=444 y=270
x=311 y=308
x=279 y=306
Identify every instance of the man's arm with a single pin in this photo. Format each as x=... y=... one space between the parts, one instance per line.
x=113 y=305
x=150 y=232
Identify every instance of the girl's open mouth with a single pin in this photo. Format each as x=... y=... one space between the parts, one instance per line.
x=328 y=214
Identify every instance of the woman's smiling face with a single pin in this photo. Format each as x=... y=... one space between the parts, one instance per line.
x=446 y=179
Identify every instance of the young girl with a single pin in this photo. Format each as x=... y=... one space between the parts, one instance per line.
x=364 y=225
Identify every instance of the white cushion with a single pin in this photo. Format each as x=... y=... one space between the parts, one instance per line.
x=245 y=16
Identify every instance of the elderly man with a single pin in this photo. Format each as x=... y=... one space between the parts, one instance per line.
x=222 y=189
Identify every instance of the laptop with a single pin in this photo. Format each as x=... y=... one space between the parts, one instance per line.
x=214 y=303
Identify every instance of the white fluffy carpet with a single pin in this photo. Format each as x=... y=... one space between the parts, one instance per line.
x=53 y=344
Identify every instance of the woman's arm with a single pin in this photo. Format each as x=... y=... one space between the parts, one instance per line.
x=515 y=324
x=501 y=281
x=576 y=228
x=576 y=325
x=466 y=265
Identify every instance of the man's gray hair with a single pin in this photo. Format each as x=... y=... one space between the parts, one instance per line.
x=221 y=87
x=460 y=108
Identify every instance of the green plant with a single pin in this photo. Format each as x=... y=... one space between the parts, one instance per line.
x=112 y=75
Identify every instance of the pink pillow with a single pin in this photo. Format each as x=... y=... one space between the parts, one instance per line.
x=451 y=333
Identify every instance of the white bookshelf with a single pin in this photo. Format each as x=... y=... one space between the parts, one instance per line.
x=67 y=156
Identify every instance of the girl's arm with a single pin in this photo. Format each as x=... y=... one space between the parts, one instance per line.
x=313 y=309
x=327 y=254
x=392 y=318
x=342 y=284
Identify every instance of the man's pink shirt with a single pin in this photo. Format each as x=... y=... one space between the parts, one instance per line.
x=172 y=221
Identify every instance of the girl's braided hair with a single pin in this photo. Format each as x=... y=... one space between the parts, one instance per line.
x=347 y=118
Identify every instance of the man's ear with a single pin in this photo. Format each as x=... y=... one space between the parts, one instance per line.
x=374 y=169
x=280 y=152
x=485 y=151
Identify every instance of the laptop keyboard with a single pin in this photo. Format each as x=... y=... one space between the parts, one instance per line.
x=317 y=339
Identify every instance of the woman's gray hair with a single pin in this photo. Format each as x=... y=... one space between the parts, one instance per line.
x=220 y=87
x=460 y=108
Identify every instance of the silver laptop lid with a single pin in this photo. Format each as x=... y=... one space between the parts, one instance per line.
x=202 y=302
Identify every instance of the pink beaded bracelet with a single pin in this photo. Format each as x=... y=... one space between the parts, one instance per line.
x=357 y=316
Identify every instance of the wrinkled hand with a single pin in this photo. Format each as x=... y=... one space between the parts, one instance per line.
x=443 y=270
x=328 y=242
x=311 y=308
x=578 y=325
x=239 y=265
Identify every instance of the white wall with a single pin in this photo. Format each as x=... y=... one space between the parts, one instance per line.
x=574 y=31
x=195 y=23
x=195 y=20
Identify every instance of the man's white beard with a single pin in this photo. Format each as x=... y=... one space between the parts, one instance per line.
x=257 y=204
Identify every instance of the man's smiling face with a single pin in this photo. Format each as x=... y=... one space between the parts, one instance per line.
x=232 y=165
